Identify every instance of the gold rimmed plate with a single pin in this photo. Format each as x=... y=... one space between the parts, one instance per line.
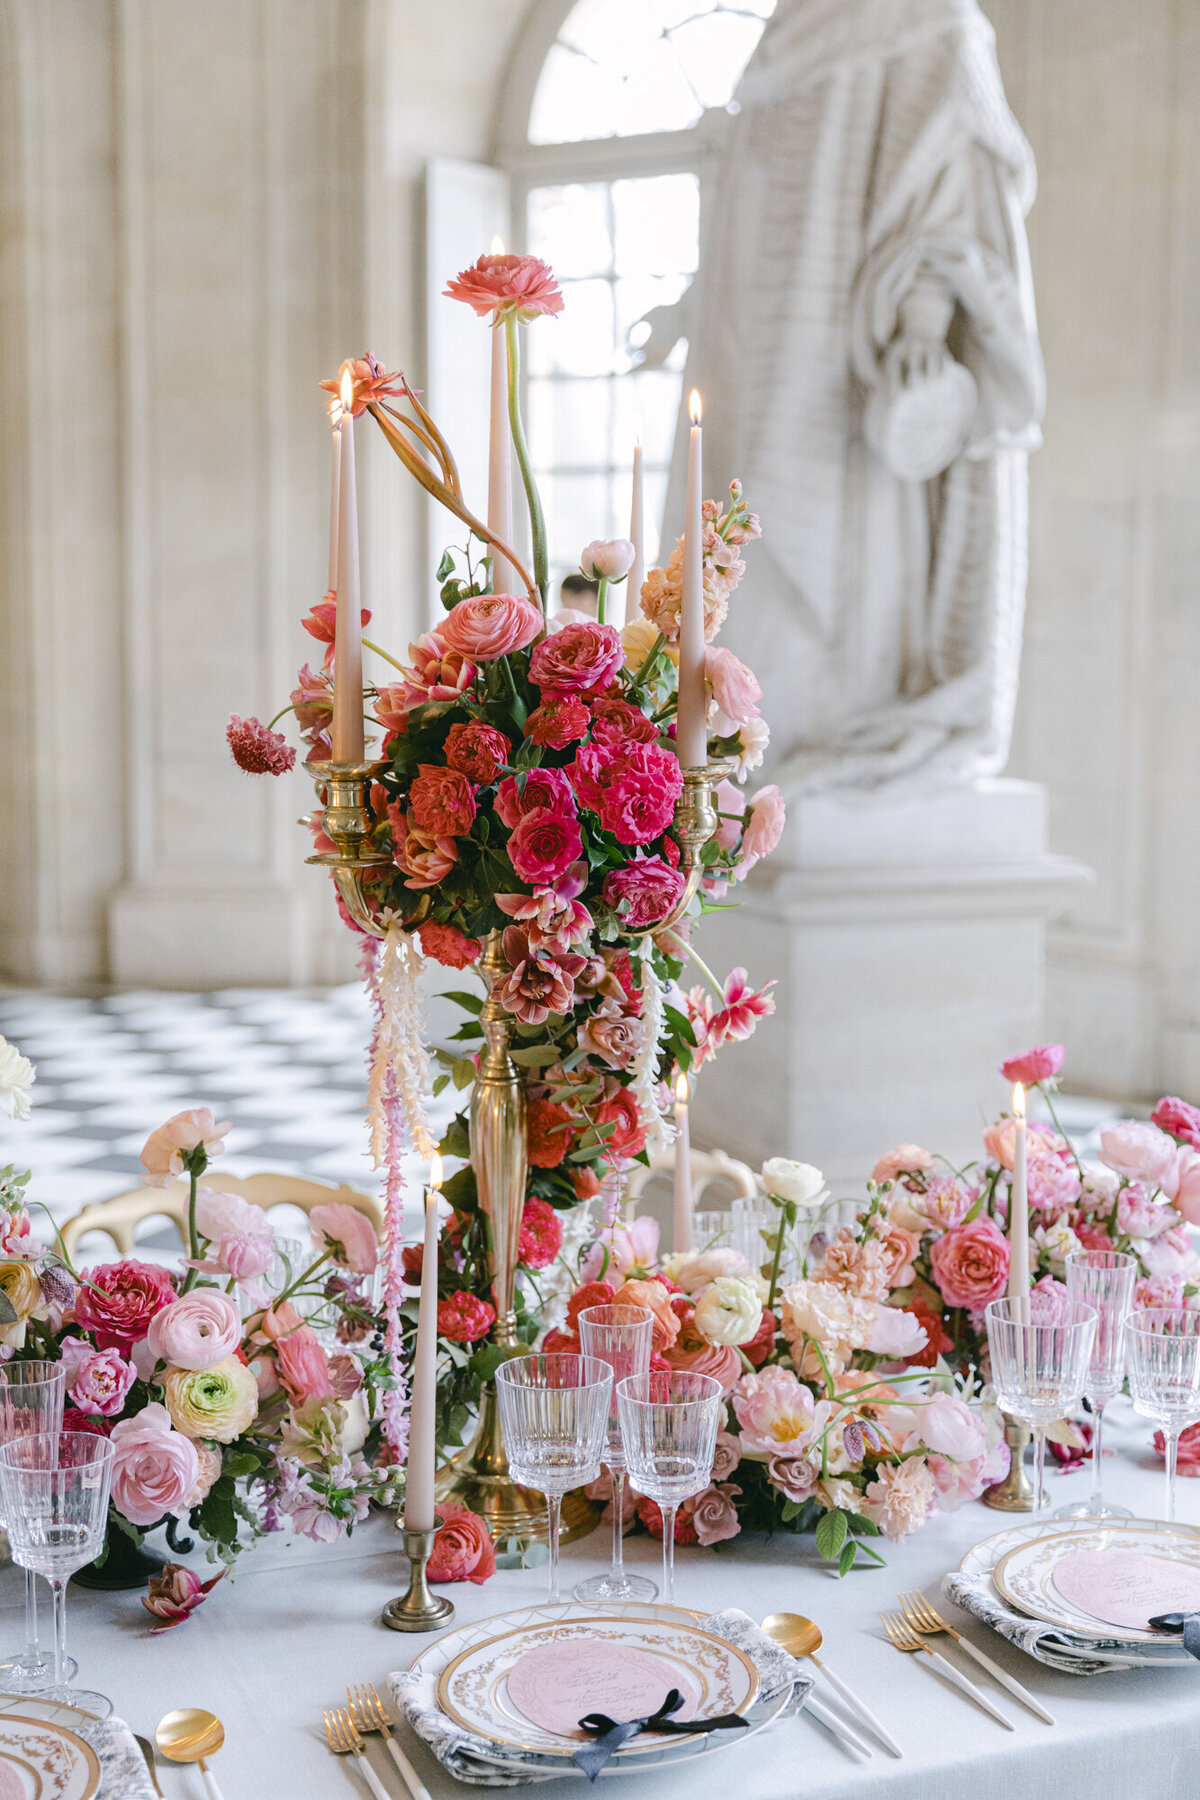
x=44 y=1761
x=1024 y=1575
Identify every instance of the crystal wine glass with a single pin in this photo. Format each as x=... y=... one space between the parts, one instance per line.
x=1163 y=1344
x=1040 y=1352
x=54 y=1487
x=554 y=1416
x=669 y=1421
x=1104 y=1278
x=31 y=1400
x=622 y=1337
x=712 y=1228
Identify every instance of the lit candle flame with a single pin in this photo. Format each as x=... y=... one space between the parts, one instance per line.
x=682 y=1089
x=498 y=246
x=435 y=1172
x=694 y=406
x=347 y=389
x=1018 y=1104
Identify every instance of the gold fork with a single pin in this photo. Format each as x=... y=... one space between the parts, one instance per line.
x=343 y=1737
x=927 y=1619
x=905 y=1638
x=367 y=1712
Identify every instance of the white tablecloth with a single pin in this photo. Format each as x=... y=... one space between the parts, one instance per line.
x=273 y=1647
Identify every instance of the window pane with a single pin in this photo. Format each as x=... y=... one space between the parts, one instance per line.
x=569 y=424
x=656 y=225
x=579 y=340
x=576 y=220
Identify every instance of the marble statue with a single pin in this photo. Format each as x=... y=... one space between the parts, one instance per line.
x=863 y=334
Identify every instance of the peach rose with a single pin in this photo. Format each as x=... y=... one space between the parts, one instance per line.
x=900 y=1248
x=462 y=1549
x=655 y=1298
x=970 y=1264
x=905 y=1159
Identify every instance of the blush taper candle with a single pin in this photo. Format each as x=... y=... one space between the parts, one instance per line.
x=349 y=742
x=691 y=729
x=422 y=1436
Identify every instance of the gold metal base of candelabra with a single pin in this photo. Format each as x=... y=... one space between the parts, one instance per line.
x=1015 y=1492
x=418 y=1609
x=479 y=1477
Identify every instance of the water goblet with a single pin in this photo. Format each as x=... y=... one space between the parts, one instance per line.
x=1104 y=1278
x=622 y=1337
x=554 y=1418
x=31 y=1400
x=1039 y=1352
x=1163 y=1347
x=55 y=1488
x=669 y=1421
x=712 y=1229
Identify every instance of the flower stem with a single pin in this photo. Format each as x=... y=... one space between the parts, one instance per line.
x=705 y=971
x=776 y=1259
x=193 y=1275
x=601 y=597
x=537 y=521
x=1045 y=1093
x=647 y=668
x=271 y=723
x=368 y=645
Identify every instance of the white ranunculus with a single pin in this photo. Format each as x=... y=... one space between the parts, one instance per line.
x=729 y=1311
x=17 y=1076
x=798 y=1182
x=607 y=559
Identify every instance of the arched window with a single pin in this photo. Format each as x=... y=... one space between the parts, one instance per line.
x=613 y=120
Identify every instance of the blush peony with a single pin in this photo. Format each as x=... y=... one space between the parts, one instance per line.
x=766 y=816
x=491 y=625
x=775 y=1411
x=970 y=1264
x=1138 y=1151
x=735 y=690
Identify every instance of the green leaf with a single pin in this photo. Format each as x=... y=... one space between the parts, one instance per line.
x=445 y=567
x=463 y=1073
x=832 y=1530
x=472 y=1003
x=535 y=1056
x=218 y=1517
x=469 y=1032
x=247 y=1462
x=440 y=1083
x=681 y=1025
x=850 y=1550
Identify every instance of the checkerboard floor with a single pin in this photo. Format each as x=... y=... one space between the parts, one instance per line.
x=287 y=1067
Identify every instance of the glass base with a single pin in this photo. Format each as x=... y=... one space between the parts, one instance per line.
x=610 y=1592
x=1081 y=1510
x=19 y=1677
x=98 y=1706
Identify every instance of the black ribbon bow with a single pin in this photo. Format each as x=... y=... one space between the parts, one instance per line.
x=1187 y=1623
x=610 y=1734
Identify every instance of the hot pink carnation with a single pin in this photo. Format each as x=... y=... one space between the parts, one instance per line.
x=195 y=1331
x=119 y=1301
x=647 y=888
x=490 y=625
x=578 y=657
x=633 y=790
x=346 y=1232
x=970 y=1264
x=1041 y=1063
x=465 y=1317
x=541 y=1234
x=616 y=723
x=155 y=1467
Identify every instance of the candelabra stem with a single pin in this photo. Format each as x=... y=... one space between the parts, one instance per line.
x=418 y=1609
x=1015 y=1492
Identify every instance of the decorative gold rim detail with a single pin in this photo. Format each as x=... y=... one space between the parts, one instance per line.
x=1125 y=1634
x=90 y=1759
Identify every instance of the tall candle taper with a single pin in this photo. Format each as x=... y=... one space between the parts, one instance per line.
x=348 y=738
x=691 y=729
x=499 y=513
x=335 y=419
x=637 y=537
x=1018 y=1209
x=683 y=1168
x=422 y=1444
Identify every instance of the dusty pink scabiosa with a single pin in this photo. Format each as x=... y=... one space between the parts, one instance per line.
x=258 y=749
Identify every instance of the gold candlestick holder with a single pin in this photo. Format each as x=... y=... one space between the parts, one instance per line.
x=418 y=1609
x=696 y=821
x=1015 y=1492
x=346 y=818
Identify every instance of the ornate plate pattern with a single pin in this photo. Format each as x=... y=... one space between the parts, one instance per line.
x=48 y=1761
x=1023 y=1575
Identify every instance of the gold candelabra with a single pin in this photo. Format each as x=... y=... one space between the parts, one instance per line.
x=478 y=1476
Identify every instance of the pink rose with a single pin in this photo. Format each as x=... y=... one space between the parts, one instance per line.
x=905 y=1159
x=348 y=1234
x=714 y=1514
x=155 y=1467
x=97 y=1380
x=796 y=1477
x=1041 y=1063
x=1181 y=1183
x=196 y=1331
x=721 y=1361
x=648 y=888
x=164 y=1150
x=491 y=625
x=578 y=657
x=900 y=1248
x=765 y=819
x=616 y=723
x=1180 y=1119
x=442 y=801
x=304 y=1366
x=734 y=688
x=727 y=1454
x=462 y=1549
x=1138 y=1151
x=546 y=790
x=543 y=845
x=119 y=1301
x=970 y=1264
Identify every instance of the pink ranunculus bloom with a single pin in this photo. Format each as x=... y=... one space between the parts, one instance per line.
x=257 y=749
x=766 y=816
x=462 y=1549
x=900 y=1249
x=775 y=1411
x=735 y=690
x=1179 y=1118
x=1138 y=1151
x=498 y=284
x=370 y=383
x=905 y=1159
x=346 y=1232
x=196 y=1331
x=442 y=801
x=486 y=626
x=304 y=1366
x=155 y=1467
x=577 y=658
x=1041 y=1063
x=646 y=888
x=1181 y=1183
x=714 y=1512
x=544 y=790
x=96 y=1380
x=623 y=1250
x=721 y=1361
x=425 y=859
x=120 y=1299
x=165 y=1148
x=970 y=1264
x=175 y=1594
x=543 y=845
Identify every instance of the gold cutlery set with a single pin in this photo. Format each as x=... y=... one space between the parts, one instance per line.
x=918 y=1619
x=345 y=1728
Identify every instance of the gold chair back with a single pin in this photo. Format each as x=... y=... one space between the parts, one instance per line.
x=120 y=1217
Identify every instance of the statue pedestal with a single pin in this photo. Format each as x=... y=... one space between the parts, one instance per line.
x=908 y=941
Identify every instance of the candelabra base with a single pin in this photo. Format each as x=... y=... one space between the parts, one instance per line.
x=1015 y=1492
x=418 y=1609
x=479 y=1477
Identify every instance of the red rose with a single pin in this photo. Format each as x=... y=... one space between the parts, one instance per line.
x=592 y=1293
x=545 y=790
x=615 y=723
x=465 y=1317
x=543 y=846
x=970 y=1264
x=448 y=945
x=630 y=1134
x=541 y=1234
x=649 y=1512
x=560 y=720
x=649 y=886
x=1182 y=1121
x=462 y=1549
x=120 y=1300
x=476 y=750
x=580 y=656
x=442 y=801
x=548 y=1128
x=1038 y=1064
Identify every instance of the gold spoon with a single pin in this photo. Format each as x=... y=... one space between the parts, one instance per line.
x=188 y=1735
x=800 y=1637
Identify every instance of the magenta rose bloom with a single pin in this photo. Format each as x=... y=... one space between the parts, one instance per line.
x=543 y=845
x=650 y=886
x=1180 y=1119
x=155 y=1468
x=442 y=801
x=491 y=625
x=1038 y=1064
x=580 y=656
x=548 y=789
x=119 y=1301
x=970 y=1264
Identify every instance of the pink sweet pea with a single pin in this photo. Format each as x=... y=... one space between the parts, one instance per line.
x=1042 y=1063
x=164 y=1151
x=348 y=1234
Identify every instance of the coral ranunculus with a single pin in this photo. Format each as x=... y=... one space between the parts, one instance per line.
x=970 y=1264
x=550 y=1126
x=486 y=626
x=500 y=284
x=1042 y=1063
x=442 y=801
x=462 y=1549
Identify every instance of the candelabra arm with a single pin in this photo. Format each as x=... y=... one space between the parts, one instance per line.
x=696 y=822
x=346 y=819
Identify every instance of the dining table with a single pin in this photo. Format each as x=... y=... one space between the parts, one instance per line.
x=280 y=1638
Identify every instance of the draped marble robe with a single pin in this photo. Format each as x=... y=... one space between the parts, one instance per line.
x=873 y=156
